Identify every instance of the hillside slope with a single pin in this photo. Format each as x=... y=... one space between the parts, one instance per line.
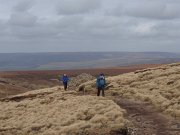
x=160 y=86
x=53 y=112
x=17 y=82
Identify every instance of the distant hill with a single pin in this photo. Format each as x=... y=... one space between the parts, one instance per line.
x=79 y=60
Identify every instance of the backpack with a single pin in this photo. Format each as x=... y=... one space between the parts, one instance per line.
x=101 y=81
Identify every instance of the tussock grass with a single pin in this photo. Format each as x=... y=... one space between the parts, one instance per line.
x=58 y=112
x=159 y=86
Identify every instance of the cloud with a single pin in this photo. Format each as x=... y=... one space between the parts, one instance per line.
x=71 y=7
x=3 y=28
x=23 y=19
x=70 y=21
x=144 y=29
x=23 y=5
x=21 y=16
x=75 y=25
x=153 y=11
x=147 y=9
x=169 y=30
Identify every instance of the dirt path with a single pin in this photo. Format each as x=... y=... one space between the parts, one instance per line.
x=147 y=120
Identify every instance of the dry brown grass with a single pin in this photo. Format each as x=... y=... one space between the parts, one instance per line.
x=16 y=82
x=159 y=86
x=55 y=112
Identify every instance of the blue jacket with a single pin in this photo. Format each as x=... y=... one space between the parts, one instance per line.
x=65 y=79
x=98 y=82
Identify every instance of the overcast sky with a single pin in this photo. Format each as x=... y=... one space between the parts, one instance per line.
x=89 y=25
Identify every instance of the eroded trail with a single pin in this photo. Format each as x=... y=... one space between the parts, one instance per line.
x=147 y=120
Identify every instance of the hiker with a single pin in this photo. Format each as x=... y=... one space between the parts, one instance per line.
x=65 y=80
x=101 y=83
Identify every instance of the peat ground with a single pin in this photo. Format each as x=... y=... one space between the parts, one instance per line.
x=147 y=120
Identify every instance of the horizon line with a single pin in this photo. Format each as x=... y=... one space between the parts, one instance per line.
x=89 y=52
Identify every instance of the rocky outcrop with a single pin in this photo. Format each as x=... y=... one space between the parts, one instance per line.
x=80 y=79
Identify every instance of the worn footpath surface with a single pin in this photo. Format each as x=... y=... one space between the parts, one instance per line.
x=147 y=120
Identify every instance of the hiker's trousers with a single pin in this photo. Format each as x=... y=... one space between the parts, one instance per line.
x=65 y=85
x=99 y=91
